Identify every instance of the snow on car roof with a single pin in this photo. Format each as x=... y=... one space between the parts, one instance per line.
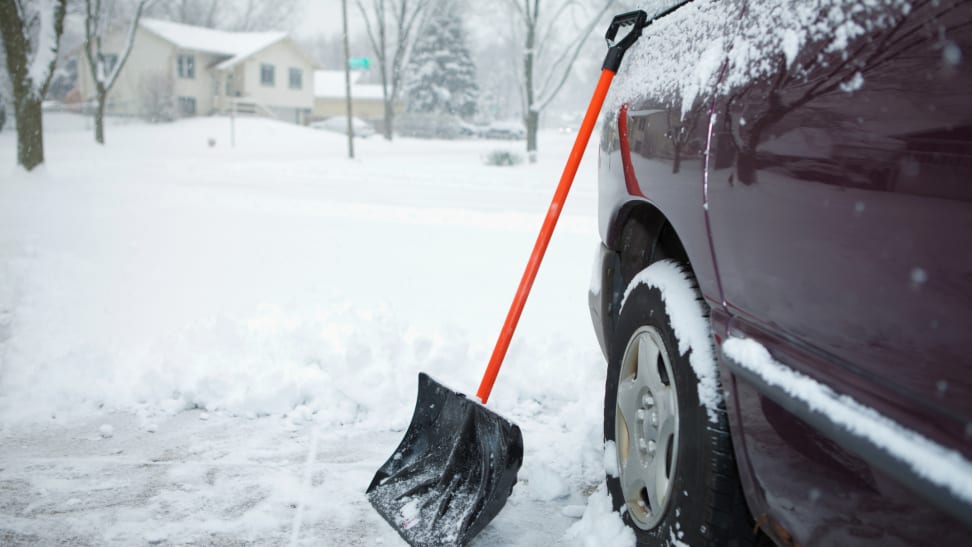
x=237 y=45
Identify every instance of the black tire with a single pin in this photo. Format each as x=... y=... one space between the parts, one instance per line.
x=704 y=504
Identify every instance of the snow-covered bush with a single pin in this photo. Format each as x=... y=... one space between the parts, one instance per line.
x=503 y=157
x=157 y=97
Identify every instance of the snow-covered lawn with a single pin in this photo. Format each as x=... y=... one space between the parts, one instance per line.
x=206 y=344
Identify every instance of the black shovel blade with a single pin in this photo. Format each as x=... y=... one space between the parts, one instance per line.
x=452 y=472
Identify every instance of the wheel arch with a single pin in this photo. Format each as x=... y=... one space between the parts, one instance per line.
x=641 y=235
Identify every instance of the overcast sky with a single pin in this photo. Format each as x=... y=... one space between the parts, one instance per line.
x=324 y=17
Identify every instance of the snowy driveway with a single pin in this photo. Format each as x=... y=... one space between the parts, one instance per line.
x=206 y=345
x=219 y=481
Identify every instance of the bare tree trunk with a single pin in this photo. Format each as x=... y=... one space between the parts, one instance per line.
x=27 y=106
x=347 y=77
x=387 y=102
x=408 y=24
x=96 y=20
x=387 y=95
x=545 y=70
x=30 y=131
x=377 y=35
x=389 y=118
x=100 y=117
x=28 y=94
x=532 y=127
x=531 y=117
x=408 y=18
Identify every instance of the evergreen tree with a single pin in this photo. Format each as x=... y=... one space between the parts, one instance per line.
x=442 y=73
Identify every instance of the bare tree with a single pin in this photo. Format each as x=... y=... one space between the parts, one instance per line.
x=98 y=20
x=393 y=26
x=254 y=15
x=240 y=15
x=31 y=32
x=547 y=59
x=202 y=13
x=6 y=93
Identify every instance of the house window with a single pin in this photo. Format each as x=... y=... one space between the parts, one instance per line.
x=296 y=78
x=187 y=66
x=266 y=75
x=187 y=106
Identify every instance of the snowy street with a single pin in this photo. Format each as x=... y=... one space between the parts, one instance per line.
x=206 y=344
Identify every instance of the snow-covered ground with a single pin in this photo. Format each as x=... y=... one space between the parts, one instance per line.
x=210 y=344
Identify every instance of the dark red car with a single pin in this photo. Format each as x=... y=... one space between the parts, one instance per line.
x=784 y=290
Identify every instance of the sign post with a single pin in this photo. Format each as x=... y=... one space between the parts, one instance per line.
x=347 y=78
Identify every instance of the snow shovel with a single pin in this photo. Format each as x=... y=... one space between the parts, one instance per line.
x=457 y=464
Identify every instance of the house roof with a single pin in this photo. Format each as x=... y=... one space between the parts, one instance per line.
x=329 y=84
x=236 y=45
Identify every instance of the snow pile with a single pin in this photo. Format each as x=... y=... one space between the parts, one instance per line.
x=544 y=484
x=335 y=365
x=688 y=320
x=930 y=460
x=601 y=526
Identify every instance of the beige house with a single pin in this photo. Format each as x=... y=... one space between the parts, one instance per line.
x=208 y=71
x=367 y=101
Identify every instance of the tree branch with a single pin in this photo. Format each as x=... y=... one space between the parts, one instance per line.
x=371 y=36
x=545 y=95
x=129 y=42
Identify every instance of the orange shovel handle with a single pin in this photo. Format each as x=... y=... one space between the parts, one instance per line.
x=546 y=231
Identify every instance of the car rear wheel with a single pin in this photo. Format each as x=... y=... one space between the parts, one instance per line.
x=676 y=477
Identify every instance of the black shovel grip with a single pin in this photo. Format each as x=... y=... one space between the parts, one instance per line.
x=637 y=20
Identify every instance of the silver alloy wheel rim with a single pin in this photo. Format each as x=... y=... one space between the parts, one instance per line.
x=646 y=427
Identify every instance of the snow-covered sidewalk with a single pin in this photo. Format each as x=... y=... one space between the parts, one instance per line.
x=205 y=344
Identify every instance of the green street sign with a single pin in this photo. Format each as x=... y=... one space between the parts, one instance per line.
x=359 y=63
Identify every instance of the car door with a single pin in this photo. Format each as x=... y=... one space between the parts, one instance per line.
x=840 y=203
